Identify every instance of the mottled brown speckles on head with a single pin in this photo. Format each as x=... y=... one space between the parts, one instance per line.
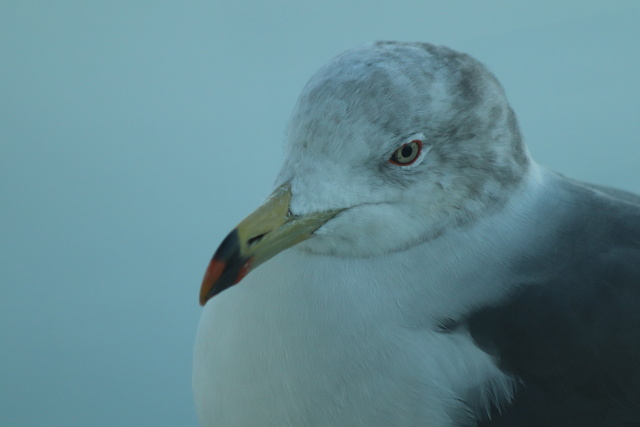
x=370 y=98
x=469 y=86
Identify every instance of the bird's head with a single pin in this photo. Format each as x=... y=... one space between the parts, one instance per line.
x=389 y=145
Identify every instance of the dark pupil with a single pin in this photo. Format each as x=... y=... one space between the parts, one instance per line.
x=407 y=150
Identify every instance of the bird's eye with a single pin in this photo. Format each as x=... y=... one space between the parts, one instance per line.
x=406 y=154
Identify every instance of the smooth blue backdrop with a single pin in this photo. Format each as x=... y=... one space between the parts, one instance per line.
x=135 y=134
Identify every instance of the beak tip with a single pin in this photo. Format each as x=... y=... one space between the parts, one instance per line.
x=211 y=276
x=234 y=258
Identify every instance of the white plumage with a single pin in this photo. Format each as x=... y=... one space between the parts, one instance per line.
x=364 y=323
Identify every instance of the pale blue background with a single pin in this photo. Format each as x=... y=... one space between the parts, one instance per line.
x=135 y=134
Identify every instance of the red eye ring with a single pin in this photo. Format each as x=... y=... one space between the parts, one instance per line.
x=404 y=157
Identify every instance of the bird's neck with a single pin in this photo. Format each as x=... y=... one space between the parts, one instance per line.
x=437 y=278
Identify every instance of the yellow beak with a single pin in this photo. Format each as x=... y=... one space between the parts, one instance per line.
x=269 y=230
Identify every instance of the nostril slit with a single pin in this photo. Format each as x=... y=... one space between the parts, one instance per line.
x=252 y=241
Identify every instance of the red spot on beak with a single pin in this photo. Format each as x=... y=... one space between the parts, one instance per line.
x=211 y=276
x=244 y=270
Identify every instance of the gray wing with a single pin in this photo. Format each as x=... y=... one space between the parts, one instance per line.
x=617 y=194
x=573 y=338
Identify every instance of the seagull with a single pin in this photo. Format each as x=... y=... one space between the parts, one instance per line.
x=414 y=266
